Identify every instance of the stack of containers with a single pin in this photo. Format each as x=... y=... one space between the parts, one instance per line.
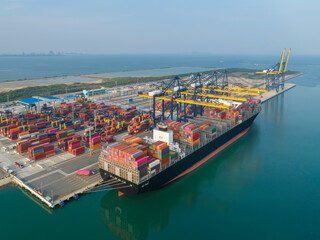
x=175 y=127
x=77 y=151
x=23 y=135
x=68 y=125
x=210 y=130
x=191 y=134
x=142 y=166
x=154 y=166
x=36 y=153
x=41 y=125
x=52 y=130
x=13 y=133
x=41 y=151
x=78 y=125
x=63 y=142
x=173 y=156
x=124 y=155
x=132 y=139
x=161 y=151
x=184 y=131
x=30 y=118
x=92 y=105
x=73 y=144
x=61 y=134
x=23 y=145
x=70 y=132
x=95 y=142
x=49 y=150
x=110 y=130
x=87 y=134
x=6 y=130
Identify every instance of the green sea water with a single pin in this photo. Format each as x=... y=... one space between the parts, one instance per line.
x=264 y=186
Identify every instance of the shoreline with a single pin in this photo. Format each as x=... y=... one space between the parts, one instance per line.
x=11 y=85
x=87 y=74
x=16 y=90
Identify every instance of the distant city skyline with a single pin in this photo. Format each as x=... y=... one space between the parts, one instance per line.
x=159 y=27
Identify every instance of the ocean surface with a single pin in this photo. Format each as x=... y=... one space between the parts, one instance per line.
x=264 y=186
x=31 y=67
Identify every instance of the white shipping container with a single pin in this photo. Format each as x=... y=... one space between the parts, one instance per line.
x=195 y=85
x=117 y=171
x=22 y=141
x=24 y=136
x=106 y=166
x=178 y=88
x=152 y=93
x=130 y=176
x=36 y=142
x=154 y=163
x=34 y=134
x=143 y=178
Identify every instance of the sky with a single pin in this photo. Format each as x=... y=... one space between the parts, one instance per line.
x=164 y=26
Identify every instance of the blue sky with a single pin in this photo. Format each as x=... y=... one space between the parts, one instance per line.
x=166 y=26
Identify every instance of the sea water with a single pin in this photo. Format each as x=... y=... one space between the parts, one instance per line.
x=264 y=186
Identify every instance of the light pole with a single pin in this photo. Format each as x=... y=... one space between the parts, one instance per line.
x=38 y=105
x=72 y=114
x=95 y=120
x=90 y=141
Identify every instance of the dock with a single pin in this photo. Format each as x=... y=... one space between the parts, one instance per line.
x=271 y=94
x=5 y=178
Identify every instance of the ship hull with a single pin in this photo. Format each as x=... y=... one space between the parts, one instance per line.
x=184 y=166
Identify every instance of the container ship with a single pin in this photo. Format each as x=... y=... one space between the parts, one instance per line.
x=175 y=147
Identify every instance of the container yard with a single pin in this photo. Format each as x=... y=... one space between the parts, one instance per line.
x=46 y=151
x=137 y=137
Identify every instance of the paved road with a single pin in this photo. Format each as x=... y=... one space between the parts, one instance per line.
x=62 y=178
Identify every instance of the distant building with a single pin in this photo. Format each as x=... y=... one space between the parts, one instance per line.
x=98 y=91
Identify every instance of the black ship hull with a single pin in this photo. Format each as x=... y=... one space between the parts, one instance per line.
x=184 y=166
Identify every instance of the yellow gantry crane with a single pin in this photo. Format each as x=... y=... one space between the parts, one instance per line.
x=213 y=96
x=247 y=89
x=202 y=95
x=275 y=76
x=180 y=100
x=229 y=91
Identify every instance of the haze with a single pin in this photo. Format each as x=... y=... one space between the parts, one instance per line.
x=166 y=26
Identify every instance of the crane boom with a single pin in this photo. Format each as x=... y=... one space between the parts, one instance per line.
x=247 y=89
x=285 y=67
x=187 y=101
x=229 y=91
x=214 y=96
x=284 y=50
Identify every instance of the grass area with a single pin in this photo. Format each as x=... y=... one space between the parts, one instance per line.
x=56 y=89
x=75 y=87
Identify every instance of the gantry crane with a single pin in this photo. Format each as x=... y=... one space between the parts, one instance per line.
x=275 y=76
x=204 y=92
x=217 y=83
x=175 y=95
x=217 y=80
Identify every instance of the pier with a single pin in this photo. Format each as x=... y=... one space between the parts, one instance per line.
x=5 y=178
